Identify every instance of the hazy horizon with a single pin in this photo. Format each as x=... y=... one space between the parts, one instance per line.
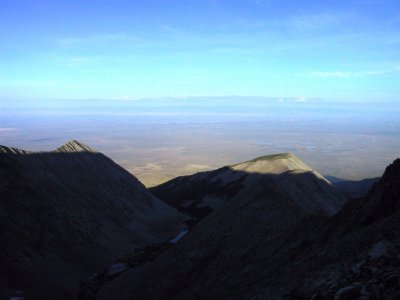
x=164 y=138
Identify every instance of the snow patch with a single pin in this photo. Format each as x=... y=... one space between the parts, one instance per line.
x=117 y=268
x=179 y=236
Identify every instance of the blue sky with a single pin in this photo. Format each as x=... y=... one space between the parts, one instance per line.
x=135 y=49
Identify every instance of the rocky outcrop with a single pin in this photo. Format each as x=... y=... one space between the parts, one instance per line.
x=373 y=277
x=10 y=150
x=360 y=247
x=74 y=146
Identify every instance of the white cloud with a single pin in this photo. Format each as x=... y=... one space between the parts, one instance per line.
x=347 y=74
x=171 y=29
x=75 y=61
x=330 y=74
x=96 y=39
x=22 y=83
x=300 y=99
x=315 y=21
x=7 y=129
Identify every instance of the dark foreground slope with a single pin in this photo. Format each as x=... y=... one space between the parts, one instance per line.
x=356 y=254
x=231 y=253
x=68 y=213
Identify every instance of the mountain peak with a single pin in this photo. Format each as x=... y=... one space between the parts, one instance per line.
x=273 y=164
x=10 y=150
x=271 y=157
x=75 y=146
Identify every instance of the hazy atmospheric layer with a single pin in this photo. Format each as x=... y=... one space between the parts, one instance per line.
x=158 y=139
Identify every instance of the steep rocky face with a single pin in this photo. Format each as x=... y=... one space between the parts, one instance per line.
x=68 y=213
x=232 y=253
x=384 y=198
x=204 y=192
x=356 y=254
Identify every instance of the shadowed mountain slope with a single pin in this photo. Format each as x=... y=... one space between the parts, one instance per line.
x=201 y=193
x=68 y=213
x=231 y=253
x=245 y=251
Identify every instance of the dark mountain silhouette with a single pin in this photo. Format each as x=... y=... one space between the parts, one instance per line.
x=68 y=213
x=231 y=253
x=353 y=188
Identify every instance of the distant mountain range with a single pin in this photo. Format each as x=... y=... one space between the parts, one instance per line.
x=70 y=212
x=267 y=228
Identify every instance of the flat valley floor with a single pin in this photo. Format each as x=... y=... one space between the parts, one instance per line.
x=159 y=139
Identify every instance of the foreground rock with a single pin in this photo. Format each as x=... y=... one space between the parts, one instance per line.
x=68 y=213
